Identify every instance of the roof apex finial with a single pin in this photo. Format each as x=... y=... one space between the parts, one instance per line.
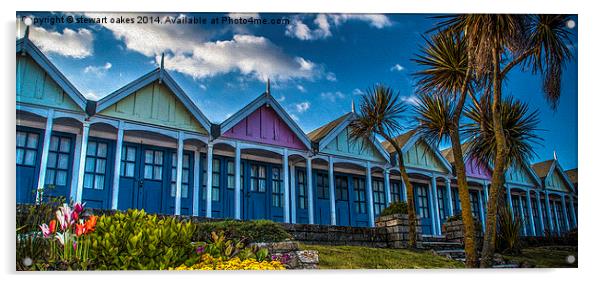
x=352 y=106
x=555 y=155
x=162 y=60
x=26 y=35
x=267 y=87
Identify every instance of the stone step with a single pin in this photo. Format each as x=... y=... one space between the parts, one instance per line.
x=510 y=265
x=442 y=245
x=452 y=253
x=433 y=238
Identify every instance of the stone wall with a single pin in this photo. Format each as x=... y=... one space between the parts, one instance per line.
x=454 y=231
x=398 y=229
x=338 y=235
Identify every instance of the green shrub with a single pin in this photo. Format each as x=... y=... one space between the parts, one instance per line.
x=400 y=207
x=136 y=240
x=508 y=236
x=248 y=231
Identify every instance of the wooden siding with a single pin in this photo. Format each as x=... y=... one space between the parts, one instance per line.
x=344 y=145
x=35 y=86
x=265 y=126
x=475 y=170
x=520 y=175
x=420 y=155
x=155 y=104
x=556 y=182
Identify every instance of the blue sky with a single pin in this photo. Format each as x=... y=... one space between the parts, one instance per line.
x=318 y=64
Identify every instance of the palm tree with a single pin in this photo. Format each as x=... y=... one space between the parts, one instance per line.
x=443 y=86
x=379 y=114
x=519 y=126
x=496 y=44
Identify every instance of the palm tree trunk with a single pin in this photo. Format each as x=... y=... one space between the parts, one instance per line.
x=469 y=226
x=499 y=166
x=409 y=191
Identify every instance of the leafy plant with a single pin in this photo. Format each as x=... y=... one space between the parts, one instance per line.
x=399 y=207
x=210 y=263
x=508 y=237
x=136 y=240
x=250 y=231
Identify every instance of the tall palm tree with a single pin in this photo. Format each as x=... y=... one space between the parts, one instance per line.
x=496 y=44
x=443 y=85
x=379 y=114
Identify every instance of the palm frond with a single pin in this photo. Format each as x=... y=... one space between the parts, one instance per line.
x=380 y=112
x=434 y=114
x=519 y=126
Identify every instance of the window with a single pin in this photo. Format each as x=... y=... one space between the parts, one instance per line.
x=544 y=214
x=258 y=178
x=560 y=212
x=422 y=200
x=474 y=204
x=515 y=207
x=341 y=188
x=59 y=156
x=380 y=201
x=456 y=202
x=322 y=185
x=359 y=189
x=128 y=161
x=441 y=199
x=277 y=193
x=27 y=148
x=230 y=172
x=535 y=213
x=153 y=164
x=215 y=180
x=96 y=165
x=395 y=191
x=185 y=174
x=302 y=190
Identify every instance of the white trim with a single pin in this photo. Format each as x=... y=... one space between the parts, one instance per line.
x=237 y=189
x=333 y=211
x=293 y=186
x=180 y=153
x=310 y=191
x=117 y=166
x=196 y=184
x=370 y=197
x=82 y=161
x=286 y=208
x=209 y=186
x=44 y=157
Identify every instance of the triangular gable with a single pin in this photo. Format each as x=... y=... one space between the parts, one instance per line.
x=155 y=98
x=473 y=167
x=265 y=121
x=557 y=179
x=338 y=141
x=25 y=47
x=522 y=174
x=419 y=153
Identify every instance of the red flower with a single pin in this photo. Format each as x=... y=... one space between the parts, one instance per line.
x=91 y=223
x=80 y=229
x=52 y=226
x=75 y=215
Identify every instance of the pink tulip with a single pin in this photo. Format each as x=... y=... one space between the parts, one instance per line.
x=45 y=230
x=78 y=207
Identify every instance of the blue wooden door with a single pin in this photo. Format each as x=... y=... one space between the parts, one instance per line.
x=217 y=185
x=59 y=166
x=96 y=192
x=129 y=177
x=341 y=193
x=301 y=198
x=256 y=192
x=535 y=213
x=379 y=196
x=321 y=198
x=443 y=204
x=421 y=197
x=276 y=193
x=228 y=193
x=28 y=151
x=360 y=203
x=187 y=181
x=152 y=197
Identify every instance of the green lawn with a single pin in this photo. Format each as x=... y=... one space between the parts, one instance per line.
x=550 y=256
x=352 y=257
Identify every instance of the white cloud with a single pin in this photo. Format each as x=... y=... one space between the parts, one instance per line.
x=357 y=91
x=92 y=95
x=412 y=99
x=331 y=77
x=189 y=50
x=98 y=70
x=281 y=99
x=70 y=43
x=203 y=87
x=301 y=88
x=243 y=15
x=302 y=107
x=323 y=24
x=332 y=96
x=397 y=68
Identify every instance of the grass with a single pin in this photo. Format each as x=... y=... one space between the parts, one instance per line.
x=547 y=257
x=353 y=257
